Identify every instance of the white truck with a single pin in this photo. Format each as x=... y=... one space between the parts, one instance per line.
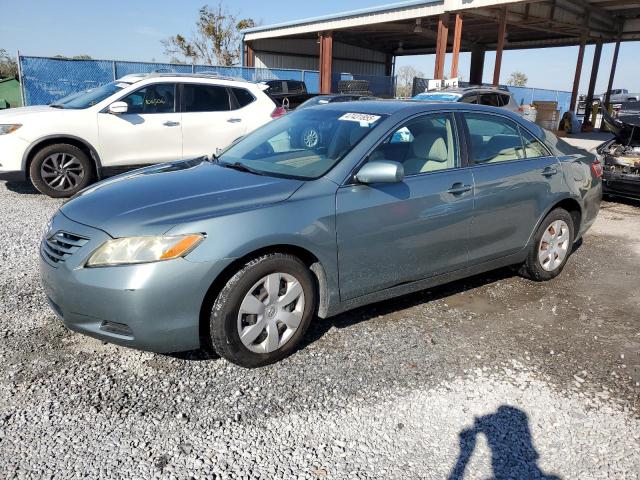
x=620 y=95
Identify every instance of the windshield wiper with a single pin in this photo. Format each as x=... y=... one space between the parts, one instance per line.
x=56 y=105
x=241 y=167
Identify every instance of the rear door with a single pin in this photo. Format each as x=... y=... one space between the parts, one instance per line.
x=515 y=176
x=150 y=131
x=389 y=234
x=211 y=119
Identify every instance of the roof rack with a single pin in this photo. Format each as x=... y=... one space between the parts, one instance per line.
x=208 y=75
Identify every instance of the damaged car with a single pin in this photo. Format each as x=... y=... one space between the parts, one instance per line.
x=621 y=157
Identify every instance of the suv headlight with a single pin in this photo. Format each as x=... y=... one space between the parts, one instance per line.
x=131 y=250
x=7 y=128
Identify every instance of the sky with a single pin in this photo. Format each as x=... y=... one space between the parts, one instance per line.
x=133 y=29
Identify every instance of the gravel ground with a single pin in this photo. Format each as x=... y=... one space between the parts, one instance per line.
x=494 y=376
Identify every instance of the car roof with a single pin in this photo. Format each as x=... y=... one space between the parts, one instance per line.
x=390 y=107
x=137 y=77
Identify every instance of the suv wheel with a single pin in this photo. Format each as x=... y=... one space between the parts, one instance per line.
x=551 y=248
x=60 y=170
x=263 y=311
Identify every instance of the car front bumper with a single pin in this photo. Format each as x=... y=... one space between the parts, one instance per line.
x=153 y=306
x=619 y=183
x=12 y=150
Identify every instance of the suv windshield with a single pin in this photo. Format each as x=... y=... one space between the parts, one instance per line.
x=90 y=97
x=305 y=144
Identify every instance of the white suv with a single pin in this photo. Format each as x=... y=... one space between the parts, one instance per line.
x=135 y=121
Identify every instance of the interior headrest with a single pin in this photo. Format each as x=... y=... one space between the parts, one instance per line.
x=430 y=146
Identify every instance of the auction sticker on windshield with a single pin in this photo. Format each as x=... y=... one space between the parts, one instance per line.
x=365 y=119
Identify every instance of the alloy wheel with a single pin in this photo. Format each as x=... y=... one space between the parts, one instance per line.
x=62 y=171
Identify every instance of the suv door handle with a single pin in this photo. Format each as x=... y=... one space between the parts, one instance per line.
x=170 y=123
x=459 y=188
x=234 y=120
x=549 y=171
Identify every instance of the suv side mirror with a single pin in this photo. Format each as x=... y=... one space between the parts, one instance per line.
x=118 y=108
x=380 y=171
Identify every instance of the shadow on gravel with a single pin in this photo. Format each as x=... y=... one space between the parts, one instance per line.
x=513 y=455
x=24 y=188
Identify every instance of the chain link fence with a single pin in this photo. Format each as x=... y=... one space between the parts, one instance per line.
x=45 y=80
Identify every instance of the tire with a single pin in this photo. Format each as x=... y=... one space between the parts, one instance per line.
x=60 y=170
x=271 y=339
x=556 y=233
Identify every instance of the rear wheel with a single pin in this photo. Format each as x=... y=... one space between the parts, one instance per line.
x=551 y=247
x=263 y=311
x=60 y=170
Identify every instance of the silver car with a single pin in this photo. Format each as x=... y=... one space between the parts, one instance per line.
x=492 y=97
x=240 y=253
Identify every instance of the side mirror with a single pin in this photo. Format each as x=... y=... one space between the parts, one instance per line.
x=118 y=108
x=380 y=171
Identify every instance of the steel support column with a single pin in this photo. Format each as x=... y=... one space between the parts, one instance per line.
x=612 y=75
x=502 y=33
x=576 y=77
x=477 y=65
x=592 y=81
x=441 y=46
x=457 y=39
x=326 y=60
x=249 y=56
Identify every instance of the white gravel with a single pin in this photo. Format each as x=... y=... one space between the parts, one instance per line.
x=387 y=392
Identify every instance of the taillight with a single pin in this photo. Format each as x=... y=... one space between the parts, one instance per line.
x=596 y=168
x=278 y=112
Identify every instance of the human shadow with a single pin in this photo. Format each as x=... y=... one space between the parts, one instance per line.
x=513 y=455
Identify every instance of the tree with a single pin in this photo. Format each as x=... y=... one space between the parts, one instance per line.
x=216 y=41
x=8 y=65
x=517 y=79
x=405 y=77
x=75 y=57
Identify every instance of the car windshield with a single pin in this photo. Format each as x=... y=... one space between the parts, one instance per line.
x=319 y=100
x=304 y=144
x=438 y=97
x=90 y=97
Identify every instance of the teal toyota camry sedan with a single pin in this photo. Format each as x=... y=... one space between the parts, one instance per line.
x=241 y=252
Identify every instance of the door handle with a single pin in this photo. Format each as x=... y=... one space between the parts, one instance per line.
x=549 y=171
x=459 y=188
x=234 y=120
x=170 y=123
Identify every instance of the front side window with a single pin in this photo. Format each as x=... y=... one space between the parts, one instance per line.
x=205 y=98
x=493 y=138
x=158 y=98
x=422 y=145
x=304 y=144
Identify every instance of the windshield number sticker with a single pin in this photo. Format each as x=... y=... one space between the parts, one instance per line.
x=364 y=119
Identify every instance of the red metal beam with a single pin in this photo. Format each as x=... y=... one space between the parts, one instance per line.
x=576 y=77
x=592 y=81
x=441 y=47
x=326 y=60
x=457 y=39
x=249 y=56
x=502 y=33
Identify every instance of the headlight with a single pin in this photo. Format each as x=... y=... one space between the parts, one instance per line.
x=9 y=127
x=124 y=251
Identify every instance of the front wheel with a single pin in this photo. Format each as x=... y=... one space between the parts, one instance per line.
x=60 y=170
x=263 y=311
x=551 y=248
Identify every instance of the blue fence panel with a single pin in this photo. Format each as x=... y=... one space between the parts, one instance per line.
x=527 y=95
x=45 y=80
x=129 y=68
x=312 y=80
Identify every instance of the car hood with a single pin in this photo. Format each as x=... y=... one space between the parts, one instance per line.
x=626 y=132
x=21 y=112
x=152 y=200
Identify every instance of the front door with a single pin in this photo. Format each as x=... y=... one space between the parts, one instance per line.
x=150 y=131
x=514 y=177
x=389 y=234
